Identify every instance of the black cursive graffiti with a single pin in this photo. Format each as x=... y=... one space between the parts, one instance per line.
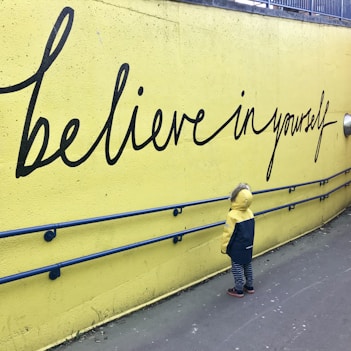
x=27 y=139
x=281 y=124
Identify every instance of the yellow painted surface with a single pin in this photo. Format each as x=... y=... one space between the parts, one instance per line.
x=174 y=103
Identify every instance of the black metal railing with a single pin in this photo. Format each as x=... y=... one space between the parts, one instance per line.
x=334 y=8
x=54 y=270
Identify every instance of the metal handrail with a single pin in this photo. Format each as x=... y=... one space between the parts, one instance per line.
x=177 y=208
x=55 y=269
x=48 y=227
x=294 y=186
x=292 y=205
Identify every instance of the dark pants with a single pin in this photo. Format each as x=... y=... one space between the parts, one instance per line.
x=241 y=271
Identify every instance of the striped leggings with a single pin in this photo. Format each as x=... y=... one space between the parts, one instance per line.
x=239 y=272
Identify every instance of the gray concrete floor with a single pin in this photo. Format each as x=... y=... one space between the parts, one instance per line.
x=302 y=303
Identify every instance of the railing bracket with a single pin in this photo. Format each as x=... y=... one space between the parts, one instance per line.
x=50 y=235
x=291 y=207
x=177 y=211
x=177 y=238
x=292 y=189
x=55 y=273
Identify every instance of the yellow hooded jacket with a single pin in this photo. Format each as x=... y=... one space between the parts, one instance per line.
x=239 y=229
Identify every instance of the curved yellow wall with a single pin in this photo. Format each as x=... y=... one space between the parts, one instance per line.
x=133 y=105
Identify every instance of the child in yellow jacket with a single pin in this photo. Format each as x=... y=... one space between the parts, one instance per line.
x=238 y=238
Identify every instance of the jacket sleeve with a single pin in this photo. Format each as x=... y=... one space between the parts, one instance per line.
x=227 y=232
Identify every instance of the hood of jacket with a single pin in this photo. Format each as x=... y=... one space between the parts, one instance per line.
x=242 y=201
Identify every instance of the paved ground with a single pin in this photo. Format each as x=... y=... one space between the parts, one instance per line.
x=302 y=303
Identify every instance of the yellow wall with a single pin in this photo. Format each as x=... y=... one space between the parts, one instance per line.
x=188 y=60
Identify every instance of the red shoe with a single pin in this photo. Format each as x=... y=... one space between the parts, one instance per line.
x=235 y=293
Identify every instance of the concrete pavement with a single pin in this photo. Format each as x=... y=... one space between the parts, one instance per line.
x=302 y=303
